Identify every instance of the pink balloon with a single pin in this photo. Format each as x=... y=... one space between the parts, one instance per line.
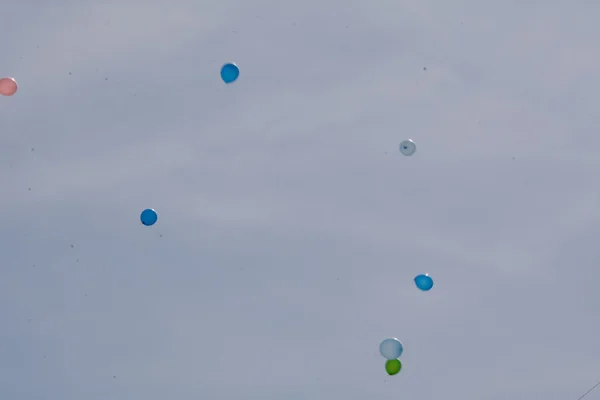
x=8 y=86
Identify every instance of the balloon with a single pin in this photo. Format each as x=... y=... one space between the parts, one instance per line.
x=391 y=349
x=229 y=73
x=149 y=217
x=408 y=147
x=392 y=367
x=424 y=282
x=8 y=86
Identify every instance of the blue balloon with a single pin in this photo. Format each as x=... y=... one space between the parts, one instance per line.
x=424 y=282
x=149 y=217
x=391 y=349
x=229 y=73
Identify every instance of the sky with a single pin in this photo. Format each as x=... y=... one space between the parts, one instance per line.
x=290 y=227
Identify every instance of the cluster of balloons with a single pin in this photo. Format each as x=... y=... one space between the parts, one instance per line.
x=391 y=349
x=8 y=86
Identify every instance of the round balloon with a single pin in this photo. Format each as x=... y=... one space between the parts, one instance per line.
x=8 y=86
x=424 y=282
x=392 y=367
x=408 y=147
x=391 y=349
x=148 y=217
x=229 y=73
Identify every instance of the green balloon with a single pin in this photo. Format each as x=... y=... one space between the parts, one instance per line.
x=392 y=367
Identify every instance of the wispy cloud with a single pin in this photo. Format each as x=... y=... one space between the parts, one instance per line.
x=290 y=228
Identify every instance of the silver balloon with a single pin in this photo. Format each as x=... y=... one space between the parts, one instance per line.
x=391 y=349
x=408 y=147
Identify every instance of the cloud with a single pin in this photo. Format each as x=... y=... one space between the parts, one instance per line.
x=290 y=228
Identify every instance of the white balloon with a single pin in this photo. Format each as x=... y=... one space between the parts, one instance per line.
x=408 y=147
x=391 y=349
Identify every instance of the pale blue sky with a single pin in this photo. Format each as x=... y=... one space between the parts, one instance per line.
x=290 y=228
